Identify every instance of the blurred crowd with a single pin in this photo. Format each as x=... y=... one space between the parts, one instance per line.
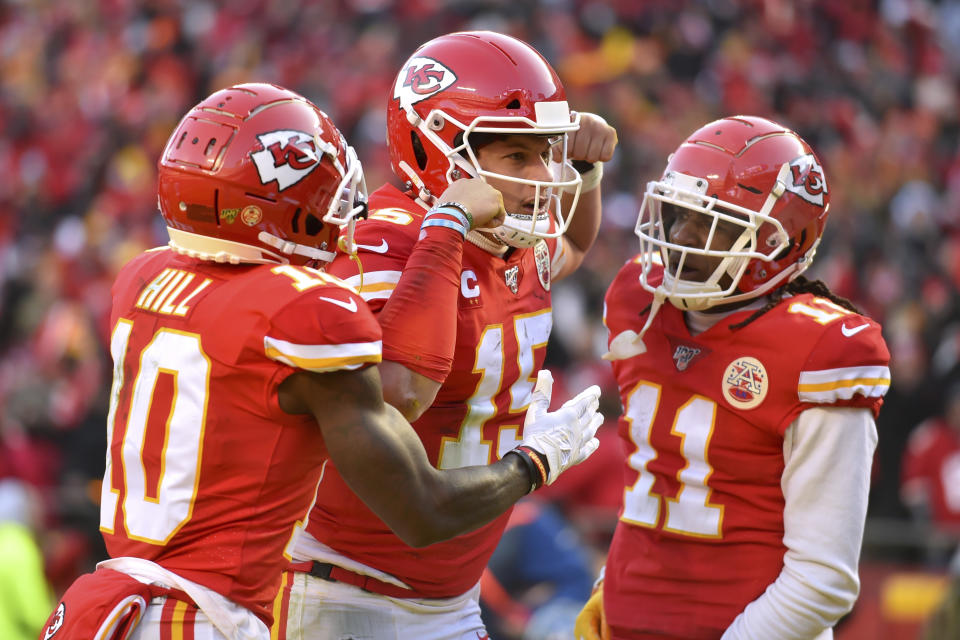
x=89 y=92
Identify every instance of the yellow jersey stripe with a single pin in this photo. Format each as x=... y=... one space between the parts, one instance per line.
x=176 y=621
x=378 y=286
x=840 y=384
x=324 y=364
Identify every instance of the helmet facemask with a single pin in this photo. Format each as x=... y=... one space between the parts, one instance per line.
x=754 y=238
x=553 y=119
x=349 y=202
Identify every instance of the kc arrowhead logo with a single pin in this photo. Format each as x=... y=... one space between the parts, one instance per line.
x=420 y=79
x=288 y=156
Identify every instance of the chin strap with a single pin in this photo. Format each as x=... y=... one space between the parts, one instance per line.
x=342 y=245
x=630 y=343
x=658 y=299
x=292 y=248
x=486 y=243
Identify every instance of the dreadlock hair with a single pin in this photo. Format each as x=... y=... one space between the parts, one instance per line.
x=800 y=284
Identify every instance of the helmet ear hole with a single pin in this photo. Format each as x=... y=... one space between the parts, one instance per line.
x=514 y=104
x=791 y=245
x=419 y=153
x=783 y=253
x=312 y=225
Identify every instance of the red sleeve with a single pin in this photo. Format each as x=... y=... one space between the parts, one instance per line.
x=420 y=319
x=327 y=328
x=382 y=251
x=848 y=367
x=412 y=283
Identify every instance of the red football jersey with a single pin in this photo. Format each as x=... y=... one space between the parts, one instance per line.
x=206 y=475
x=701 y=526
x=931 y=467
x=504 y=320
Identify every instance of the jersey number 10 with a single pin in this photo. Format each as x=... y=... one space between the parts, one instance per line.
x=156 y=507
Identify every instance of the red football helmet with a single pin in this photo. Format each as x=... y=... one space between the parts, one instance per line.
x=257 y=173
x=474 y=82
x=755 y=181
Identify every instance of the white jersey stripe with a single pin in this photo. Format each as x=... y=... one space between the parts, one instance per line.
x=323 y=357
x=376 y=285
x=377 y=295
x=373 y=277
x=829 y=385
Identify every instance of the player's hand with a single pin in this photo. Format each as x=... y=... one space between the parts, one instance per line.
x=591 y=624
x=484 y=203
x=568 y=435
x=593 y=142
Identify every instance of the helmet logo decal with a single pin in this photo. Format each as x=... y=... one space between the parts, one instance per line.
x=57 y=622
x=420 y=79
x=287 y=157
x=229 y=215
x=745 y=383
x=251 y=215
x=807 y=179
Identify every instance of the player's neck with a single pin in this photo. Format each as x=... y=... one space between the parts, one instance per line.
x=699 y=321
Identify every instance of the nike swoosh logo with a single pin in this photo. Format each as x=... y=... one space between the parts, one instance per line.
x=383 y=247
x=852 y=332
x=350 y=306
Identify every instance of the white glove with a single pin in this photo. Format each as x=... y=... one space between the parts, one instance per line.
x=568 y=435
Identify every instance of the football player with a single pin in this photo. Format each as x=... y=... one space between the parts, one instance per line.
x=470 y=104
x=749 y=403
x=230 y=349
x=930 y=469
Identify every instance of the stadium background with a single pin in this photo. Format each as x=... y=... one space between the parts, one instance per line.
x=90 y=90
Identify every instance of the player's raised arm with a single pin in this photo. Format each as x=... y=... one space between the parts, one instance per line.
x=590 y=146
x=420 y=318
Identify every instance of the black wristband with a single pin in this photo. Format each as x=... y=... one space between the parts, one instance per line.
x=532 y=472
x=540 y=460
x=582 y=166
x=537 y=466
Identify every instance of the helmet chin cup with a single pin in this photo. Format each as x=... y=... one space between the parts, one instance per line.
x=521 y=231
x=689 y=296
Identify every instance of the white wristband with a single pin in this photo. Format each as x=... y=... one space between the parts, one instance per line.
x=591 y=179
